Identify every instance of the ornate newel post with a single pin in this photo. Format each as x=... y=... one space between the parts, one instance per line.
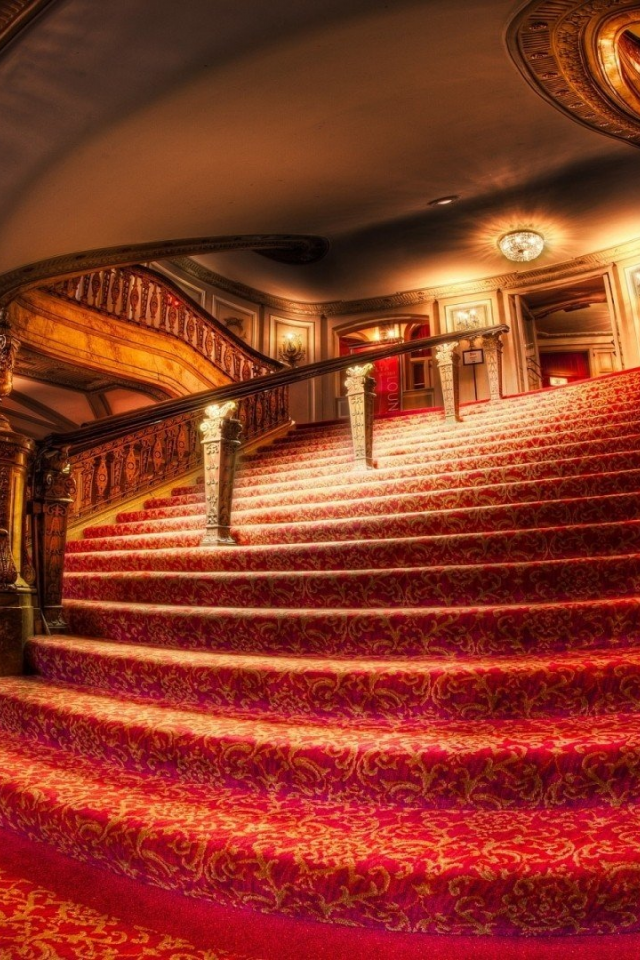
x=16 y=607
x=220 y=439
x=360 y=387
x=53 y=493
x=492 y=345
x=448 y=360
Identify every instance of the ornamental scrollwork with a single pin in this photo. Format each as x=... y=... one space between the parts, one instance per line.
x=214 y=416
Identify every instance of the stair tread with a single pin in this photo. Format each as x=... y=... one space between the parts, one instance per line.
x=598 y=537
x=121 y=800
x=404 y=736
x=342 y=666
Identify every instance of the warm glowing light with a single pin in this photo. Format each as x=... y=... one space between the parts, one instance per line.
x=521 y=245
x=292 y=351
x=444 y=201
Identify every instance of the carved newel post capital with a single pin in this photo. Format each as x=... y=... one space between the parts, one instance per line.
x=360 y=393
x=54 y=492
x=448 y=360
x=492 y=345
x=220 y=440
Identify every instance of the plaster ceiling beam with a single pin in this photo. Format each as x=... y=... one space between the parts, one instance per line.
x=52 y=416
x=99 y=405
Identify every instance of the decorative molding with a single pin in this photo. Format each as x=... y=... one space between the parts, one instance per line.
x=564 y=49
x=556 y=273
x=303 y=249
x=15 y=15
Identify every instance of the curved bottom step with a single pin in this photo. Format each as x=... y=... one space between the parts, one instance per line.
x=510 y=872
x=47 y=898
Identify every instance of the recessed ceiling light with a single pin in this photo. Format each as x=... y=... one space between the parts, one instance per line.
x=444 y=201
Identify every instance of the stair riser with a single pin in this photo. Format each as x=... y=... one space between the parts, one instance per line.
x=495 y=418
x=512 y=546
x=188 y=532
x=351 y=633
x=422 y=483
x=433 y=586
x=520 y=492
x=426 y=435
x=412 y=886
x=313 y=767
x=459 y=691
x=460 y=445
x=429 y=427
x=292 y=479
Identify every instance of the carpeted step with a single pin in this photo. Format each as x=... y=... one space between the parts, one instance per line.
x=388 y=866
x=498 y=686
x=184 y=532
x=593 y=484
x=459 y=764
x=373 y=485
x=292 y=479
x=351 y=632
x=537 y=581
x=502 y=546
x=436 y=432
x=405 y=449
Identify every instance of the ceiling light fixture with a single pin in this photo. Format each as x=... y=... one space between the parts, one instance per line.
x=521 y=245
x=444 y=201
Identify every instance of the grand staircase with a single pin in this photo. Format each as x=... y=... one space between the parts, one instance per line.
x=407 y=699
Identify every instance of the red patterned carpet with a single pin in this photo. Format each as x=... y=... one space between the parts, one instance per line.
x=405 y=705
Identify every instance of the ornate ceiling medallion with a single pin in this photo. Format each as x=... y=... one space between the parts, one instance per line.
x=583 y=56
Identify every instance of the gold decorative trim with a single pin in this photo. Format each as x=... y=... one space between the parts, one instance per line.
x=331 y=308
x=561 y=49
x=15 y=15
x=301 y=248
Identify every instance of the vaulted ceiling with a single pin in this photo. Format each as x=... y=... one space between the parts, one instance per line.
x=140 y=120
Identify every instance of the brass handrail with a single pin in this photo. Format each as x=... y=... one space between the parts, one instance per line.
x=111 y=427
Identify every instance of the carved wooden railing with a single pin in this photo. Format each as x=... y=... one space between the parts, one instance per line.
x=150 y=456
x=140 y=296
x=110 y=460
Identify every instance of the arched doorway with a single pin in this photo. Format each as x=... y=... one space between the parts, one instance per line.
x=402 y=383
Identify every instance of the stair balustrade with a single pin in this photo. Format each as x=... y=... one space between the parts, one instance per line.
x=104 y=464
x=145 y=298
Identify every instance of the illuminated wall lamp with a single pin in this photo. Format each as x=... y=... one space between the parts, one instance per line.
x=292 y=351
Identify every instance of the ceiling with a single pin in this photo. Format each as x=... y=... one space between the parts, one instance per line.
x=51 y=396
x=142 y=120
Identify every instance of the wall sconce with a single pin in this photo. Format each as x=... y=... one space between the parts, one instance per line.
x=292 y=351
x=467 y=319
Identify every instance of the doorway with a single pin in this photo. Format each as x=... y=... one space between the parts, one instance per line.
x=568 y=332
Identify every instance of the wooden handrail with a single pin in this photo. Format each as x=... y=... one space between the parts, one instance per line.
x=112 y=427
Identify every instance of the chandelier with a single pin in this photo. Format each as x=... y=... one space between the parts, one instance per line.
x=521 y=245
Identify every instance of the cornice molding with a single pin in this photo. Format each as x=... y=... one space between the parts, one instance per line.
x=301 y=249
x=331 y=308
x=559 y=46
x=15 y=15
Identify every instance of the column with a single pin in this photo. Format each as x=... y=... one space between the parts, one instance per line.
x=492 y=346
x=16 y=589
x=54 y=492
x=220 y=440
x=360 y=387
x=448 y=360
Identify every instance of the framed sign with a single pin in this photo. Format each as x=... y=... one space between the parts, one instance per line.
x=472 y=357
